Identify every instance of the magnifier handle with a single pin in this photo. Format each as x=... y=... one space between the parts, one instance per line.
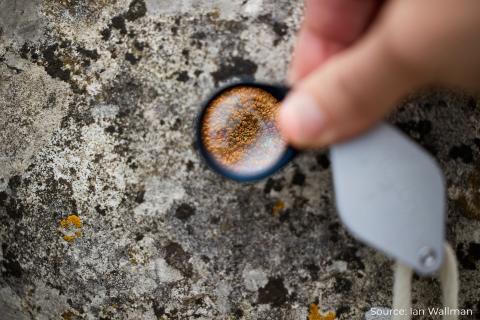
x=390 y=194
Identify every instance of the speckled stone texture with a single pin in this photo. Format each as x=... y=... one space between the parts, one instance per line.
x=97 y=100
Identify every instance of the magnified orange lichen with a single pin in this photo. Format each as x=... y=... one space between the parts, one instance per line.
x=70 y=227
x=314 y=314
x=240 y=131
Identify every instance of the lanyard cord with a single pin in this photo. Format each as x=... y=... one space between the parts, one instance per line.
x=402 y=287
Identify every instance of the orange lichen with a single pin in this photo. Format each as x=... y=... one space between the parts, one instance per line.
x=315 y=314
x=278 y=207
x=68 y=238
x=71 y=220
x=70 y=227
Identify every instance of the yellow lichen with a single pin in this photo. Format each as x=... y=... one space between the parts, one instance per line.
x=132 y=258
x=314 y=314
x=278 y=207
x=70 y=227
x=68 y=238
x=71 y=220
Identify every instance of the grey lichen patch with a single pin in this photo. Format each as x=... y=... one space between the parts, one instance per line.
x=11 y=305
x=71 y=10
x=20 y=21
x=32 y=107
x=254 y=278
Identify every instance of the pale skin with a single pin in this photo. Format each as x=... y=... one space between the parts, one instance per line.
x=356 y=59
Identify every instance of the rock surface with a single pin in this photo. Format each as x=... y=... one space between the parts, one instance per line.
x=107 y=212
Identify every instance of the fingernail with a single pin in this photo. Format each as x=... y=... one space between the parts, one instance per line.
x=301 y=119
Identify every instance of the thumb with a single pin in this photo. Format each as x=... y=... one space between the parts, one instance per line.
x=351 y=92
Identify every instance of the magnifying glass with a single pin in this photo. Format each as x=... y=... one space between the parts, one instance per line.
x=389 y=192
x=237 y=133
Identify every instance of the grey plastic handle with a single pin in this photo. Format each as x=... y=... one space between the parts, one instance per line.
x=390 y=194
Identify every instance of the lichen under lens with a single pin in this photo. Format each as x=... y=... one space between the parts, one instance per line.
x=239 y=130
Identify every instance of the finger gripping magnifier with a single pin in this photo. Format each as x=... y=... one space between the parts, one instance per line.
x=389 y=191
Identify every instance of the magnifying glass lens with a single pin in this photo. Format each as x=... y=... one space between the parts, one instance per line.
x=240 y=132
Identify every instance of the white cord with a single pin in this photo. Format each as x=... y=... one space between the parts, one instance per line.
x=402 y=291
x=449 y=282
x=402 y=287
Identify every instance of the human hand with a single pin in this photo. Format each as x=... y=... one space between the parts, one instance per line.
x=355 y=59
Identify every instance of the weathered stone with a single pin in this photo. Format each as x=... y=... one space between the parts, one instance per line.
x=97 y=101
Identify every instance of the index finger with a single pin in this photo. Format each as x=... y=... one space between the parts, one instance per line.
x=329 y=26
